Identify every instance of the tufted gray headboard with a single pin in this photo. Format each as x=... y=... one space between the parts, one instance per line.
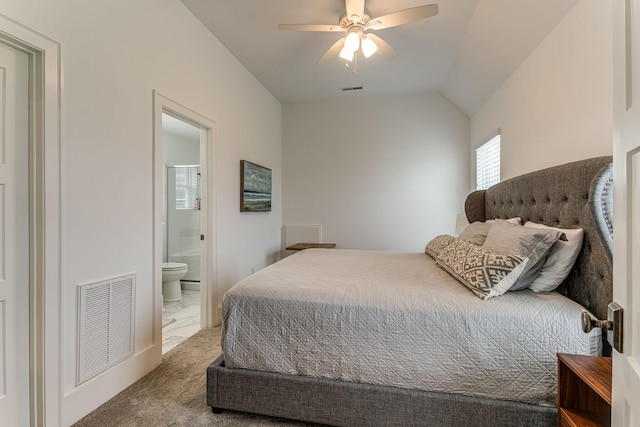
x=574 y=195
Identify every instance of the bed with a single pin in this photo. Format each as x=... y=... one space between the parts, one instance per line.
x=355 y=338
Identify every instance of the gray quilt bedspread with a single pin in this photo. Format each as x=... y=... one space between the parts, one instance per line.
x=398 y=319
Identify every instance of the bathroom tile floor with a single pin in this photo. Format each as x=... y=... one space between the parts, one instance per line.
x=186 y=313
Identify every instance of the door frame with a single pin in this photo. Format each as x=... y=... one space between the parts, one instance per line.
x=45 y=335
x=209 y=311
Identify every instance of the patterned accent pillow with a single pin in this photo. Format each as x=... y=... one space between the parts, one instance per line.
x=487 y=274
x=437 y=244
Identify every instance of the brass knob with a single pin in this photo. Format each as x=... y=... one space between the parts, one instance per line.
x=588 y=323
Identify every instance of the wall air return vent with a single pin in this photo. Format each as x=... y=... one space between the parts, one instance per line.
x=105 y=325
x=348 y=89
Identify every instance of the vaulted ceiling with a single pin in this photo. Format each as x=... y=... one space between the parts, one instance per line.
x=465 y=52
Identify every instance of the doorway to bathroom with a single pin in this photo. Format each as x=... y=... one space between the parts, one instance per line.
x=184 y=249
x=181 y=257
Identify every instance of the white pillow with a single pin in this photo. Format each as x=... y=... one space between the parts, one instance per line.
x=560 y=259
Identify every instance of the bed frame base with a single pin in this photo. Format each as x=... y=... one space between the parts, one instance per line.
x=341 y=403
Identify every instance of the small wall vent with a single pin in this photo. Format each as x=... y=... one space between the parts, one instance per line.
x=347 y=89
x=105 y=325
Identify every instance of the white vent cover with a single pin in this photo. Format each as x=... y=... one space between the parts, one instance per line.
x=105 y=325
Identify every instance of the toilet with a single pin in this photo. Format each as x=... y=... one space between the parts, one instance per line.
x=172 y=272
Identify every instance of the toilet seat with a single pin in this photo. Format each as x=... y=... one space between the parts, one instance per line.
x=172 y=266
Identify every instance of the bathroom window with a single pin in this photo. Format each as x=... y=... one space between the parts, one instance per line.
x=187 y=196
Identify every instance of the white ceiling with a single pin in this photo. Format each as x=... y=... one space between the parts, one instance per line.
x=465 y=52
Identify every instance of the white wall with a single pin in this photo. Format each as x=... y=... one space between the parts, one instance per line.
x=179 y=150
x=114 y=54
x=557 y=107
x=385 y=174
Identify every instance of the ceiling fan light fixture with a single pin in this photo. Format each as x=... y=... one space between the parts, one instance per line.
x=355 y=22
x=369 y=47
x=352 y=42
x=346 y=54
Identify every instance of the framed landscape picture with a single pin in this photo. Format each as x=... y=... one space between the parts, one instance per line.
x=255 y=187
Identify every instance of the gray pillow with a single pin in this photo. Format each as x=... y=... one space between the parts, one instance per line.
x=476 y=232
x=515 y=220
x=525 y=242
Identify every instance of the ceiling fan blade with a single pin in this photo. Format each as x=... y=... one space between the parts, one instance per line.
x=403 y=16
x=384 y=49
x=331 y=52
x=310 y=27
x=355 y=7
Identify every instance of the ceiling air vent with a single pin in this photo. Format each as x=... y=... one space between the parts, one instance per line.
x=347 y=89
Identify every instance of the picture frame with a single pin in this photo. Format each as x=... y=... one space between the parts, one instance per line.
x=255 y=187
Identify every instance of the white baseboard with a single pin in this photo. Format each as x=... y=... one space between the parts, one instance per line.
x=90 y=395
x=190 y=286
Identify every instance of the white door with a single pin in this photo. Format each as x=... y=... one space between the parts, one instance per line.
x=14 y=238
x=626 y=212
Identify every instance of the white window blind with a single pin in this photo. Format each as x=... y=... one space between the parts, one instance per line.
x=488 y=164
x=187 y=187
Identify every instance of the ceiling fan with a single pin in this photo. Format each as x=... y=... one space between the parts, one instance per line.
x=358 y=26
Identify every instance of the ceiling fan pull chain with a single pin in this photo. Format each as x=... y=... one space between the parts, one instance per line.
x=355 y=63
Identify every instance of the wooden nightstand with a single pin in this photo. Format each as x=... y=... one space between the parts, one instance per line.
x=301 y=246
x=584 y=390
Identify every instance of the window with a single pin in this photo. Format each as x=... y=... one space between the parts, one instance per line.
x=187 y=187
x=488 y=163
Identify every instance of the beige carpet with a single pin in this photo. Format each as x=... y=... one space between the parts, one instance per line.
x=174 y=394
